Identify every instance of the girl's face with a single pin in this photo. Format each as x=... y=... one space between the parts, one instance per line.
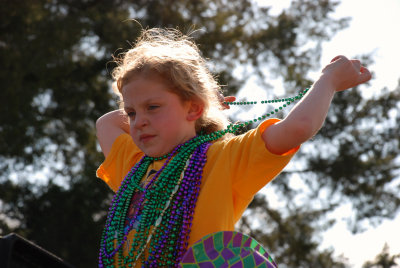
x=159 y=120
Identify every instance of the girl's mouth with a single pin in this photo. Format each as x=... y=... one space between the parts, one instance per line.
x=146 y=138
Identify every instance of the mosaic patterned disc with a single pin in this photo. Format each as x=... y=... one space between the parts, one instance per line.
x=227 y=249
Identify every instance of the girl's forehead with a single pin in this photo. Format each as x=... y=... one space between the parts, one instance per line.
x=146 y=87
x=146 y=80
x=141 y=85
x=148 y=76
x=143 y=91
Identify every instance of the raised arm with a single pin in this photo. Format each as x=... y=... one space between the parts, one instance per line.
x=308 y=116
x=109 y=127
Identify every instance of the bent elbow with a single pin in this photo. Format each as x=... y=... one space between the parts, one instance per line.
x=99 y=124
x=304 y=130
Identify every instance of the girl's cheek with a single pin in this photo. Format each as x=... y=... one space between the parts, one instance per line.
x=132 y=130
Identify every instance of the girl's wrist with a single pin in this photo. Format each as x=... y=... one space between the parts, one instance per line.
x=327 y=83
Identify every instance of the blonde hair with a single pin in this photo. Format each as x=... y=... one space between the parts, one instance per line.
x=177 y=60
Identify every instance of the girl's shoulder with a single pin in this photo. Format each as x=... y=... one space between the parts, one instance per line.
x=123 y=154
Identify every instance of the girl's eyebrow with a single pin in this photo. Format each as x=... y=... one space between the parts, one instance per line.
x=144 y=103
x=127 y=108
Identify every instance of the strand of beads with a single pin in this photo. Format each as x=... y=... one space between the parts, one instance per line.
x=156 y=197
x=118 y=210
x=171 y=239
x=232 y=128
x=291 y=99
x=153 y=204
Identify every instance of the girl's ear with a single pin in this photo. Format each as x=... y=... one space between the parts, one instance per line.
x=195 y=110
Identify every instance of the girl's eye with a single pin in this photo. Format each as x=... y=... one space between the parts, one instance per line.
x=131 y=114
x=153 y=107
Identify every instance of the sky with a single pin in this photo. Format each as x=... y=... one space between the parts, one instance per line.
x=373 y=28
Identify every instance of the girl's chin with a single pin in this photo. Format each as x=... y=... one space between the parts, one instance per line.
x=153 y=151
x=155 y=154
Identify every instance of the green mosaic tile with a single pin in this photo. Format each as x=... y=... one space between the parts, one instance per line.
x=190 y=266
x=248 y=261
x=236 y=251
x=253 y=244
x=218 y=261
x=200 y=253
x=262 y=265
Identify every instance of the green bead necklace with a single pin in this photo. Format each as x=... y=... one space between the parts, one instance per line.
x=232 y=128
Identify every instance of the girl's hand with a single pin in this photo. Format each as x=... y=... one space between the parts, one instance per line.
x=223 y=99
x=344 y=73
x=228 y=99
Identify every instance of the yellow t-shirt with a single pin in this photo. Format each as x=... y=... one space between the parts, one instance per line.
x=236 y=169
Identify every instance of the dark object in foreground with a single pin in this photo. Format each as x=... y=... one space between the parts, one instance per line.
x=17 y=252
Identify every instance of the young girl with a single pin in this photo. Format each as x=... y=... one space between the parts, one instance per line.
x=177 y=176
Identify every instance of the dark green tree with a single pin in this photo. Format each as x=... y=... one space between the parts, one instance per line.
x=384 y=260
x=55 y=83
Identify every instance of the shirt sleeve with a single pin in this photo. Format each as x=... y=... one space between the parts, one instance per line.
x=255 y=165
x=249 y=165
x=123 y=155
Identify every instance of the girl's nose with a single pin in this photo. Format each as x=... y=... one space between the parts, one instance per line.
x=140 y=121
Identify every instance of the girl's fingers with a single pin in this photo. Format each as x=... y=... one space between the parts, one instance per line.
x=230 y=98
x=356 y=64
x=337 y=57
x=365 y=75
x=227 y=99
x=349 y=72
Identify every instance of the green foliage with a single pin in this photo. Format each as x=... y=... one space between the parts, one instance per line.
x=365 y=167
x=56 y=58
x=384 y=260
x=53 y=89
